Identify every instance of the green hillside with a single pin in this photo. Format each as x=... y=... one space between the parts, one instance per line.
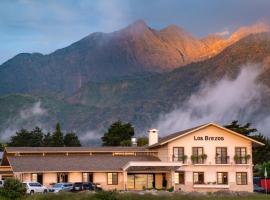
x=141 y=99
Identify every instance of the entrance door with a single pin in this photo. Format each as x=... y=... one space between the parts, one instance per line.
x=140 y=181
x=40 y=178
x=91 y=179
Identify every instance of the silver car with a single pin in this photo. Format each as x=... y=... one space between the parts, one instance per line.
x=61 y=187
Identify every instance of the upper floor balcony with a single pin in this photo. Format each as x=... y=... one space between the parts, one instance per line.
x=218 y=160
x=222 y=159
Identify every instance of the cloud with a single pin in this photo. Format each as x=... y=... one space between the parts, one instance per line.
x=222 y=102
x=26 y=118
x=34 y=111
x=90 y=137
x=223 y=33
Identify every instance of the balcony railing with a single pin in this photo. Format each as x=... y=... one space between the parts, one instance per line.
x=222 y=160
x=241 y=159
x=177 y=158
x=201 y=159
x=198 y=159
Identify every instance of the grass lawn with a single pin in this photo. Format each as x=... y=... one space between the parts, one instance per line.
x=132 y=196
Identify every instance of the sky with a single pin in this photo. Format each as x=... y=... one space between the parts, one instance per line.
x=46 y=25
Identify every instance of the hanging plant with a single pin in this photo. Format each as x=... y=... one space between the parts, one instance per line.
x=236 y=158
x=247 y=157
x=203 y=156
x=193 y=158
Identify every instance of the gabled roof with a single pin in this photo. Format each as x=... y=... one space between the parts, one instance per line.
x=73 y=163
x=179 y=134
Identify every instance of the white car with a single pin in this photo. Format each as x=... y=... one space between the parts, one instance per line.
x=2 y=183
x=34 y=187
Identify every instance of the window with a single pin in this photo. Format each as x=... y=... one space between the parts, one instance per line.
x=87 y=177
x=34 y=178
x=221 y=155
x=222 y=178
x=37 y=178
x=178 y=154
x=240 y=153
x=241 y=178
x=196 y=155
x=198 y=177
x=62 y=177
x=179 y=177
x=112 y=178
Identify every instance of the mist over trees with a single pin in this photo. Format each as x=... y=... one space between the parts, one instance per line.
x=37 y=138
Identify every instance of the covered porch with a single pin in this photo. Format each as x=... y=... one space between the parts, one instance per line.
x=149 y=175
x=6 y=172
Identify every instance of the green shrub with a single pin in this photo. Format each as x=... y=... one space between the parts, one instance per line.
x=171 y=189
x=106 y=195
x=13 y=189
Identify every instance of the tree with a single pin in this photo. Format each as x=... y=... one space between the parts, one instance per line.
x=125 y=143
x=259 y=153
x=142 y=141
x=47 y=140
x=117 y=133
x=36 y=137
x=72 y=140
x=259 y=169
x=13 y=189
x=27 y=139
x=20 y=139
x=57 y=137
x=243 y=129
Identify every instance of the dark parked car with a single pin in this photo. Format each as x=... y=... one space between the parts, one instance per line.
x=259 y=189
x=89 y=186
x=78 y=186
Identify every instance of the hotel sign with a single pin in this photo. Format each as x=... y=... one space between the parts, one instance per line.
x=208 y=138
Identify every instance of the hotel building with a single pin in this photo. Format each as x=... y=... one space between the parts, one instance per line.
x=206 y=158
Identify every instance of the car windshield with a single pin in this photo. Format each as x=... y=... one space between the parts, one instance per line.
x=57 y=185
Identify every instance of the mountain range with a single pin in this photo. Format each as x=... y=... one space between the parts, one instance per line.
x=134 y=74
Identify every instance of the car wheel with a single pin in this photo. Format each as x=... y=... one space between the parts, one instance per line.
x=32 y=192
x=45 y=191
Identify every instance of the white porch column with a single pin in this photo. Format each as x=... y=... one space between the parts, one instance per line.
x=172 y=179
x=125 y=179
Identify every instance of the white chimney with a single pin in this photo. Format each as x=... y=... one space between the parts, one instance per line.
x=134 y=141
x=152 y=136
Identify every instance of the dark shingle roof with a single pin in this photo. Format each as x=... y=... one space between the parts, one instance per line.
x=73 y=163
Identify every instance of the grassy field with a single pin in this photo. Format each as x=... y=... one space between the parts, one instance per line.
x=132 y=196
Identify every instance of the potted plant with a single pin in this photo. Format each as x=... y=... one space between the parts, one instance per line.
x=203 y=156
x=193 y=158
x=236 y=158
x=184 y=158
x=247 y=157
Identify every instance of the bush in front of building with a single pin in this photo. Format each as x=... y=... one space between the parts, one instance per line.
x=13 y=189
x=106 y=195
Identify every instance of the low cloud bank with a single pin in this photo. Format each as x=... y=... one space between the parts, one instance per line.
x=222 y=102
x=27 y=118
x=91 y=137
